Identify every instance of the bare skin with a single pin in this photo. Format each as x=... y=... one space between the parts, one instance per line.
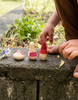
x=53 y=49
x=69 y=49
x=49 y=28
x=75 y=74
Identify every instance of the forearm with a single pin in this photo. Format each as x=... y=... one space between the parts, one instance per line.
x=54 y=19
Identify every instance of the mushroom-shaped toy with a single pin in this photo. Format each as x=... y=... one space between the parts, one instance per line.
x=43 y=52
x=32 y=53
x=18 y=55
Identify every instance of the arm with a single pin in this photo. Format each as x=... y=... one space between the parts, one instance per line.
x=54 y=19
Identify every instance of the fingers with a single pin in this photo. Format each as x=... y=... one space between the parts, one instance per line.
x=39 y=40
x=50 y=50
x=67 y=51
x=43 y=36
x=49 y=47
x=62 y=46
x=72 y=55
x=53 y=49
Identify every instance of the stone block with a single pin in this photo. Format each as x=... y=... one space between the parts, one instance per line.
x=55 y=90
x=17 y=90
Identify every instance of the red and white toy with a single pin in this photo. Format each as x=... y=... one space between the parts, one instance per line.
x=32 y=54
x=18 y=55
x=43 y=52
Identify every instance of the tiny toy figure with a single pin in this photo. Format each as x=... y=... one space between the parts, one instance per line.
x=4 y=53
x=32 y=54
x=43 y=52
x=18 y=55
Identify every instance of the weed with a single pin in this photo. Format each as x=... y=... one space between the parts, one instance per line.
x=25 y=29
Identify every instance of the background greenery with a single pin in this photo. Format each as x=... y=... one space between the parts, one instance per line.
x=28 y=27
x=8 y=5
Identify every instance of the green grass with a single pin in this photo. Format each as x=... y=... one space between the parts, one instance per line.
x=8 y=5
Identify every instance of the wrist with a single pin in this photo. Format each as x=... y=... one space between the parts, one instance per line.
x=50 y=24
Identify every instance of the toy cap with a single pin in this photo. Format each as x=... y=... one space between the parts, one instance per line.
x=43 y=49
x=20 y=52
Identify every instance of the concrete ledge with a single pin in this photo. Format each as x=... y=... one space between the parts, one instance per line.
x=43 y=80
x=37 y=70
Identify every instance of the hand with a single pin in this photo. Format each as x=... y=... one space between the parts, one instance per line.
x=47 y=31
x=53 y=49
x=69 y=49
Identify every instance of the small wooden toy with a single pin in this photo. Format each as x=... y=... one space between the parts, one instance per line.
x=43 y=52
x=18 y=55
x=32 y=54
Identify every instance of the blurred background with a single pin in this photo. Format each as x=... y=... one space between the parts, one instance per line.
x=8 y=5
x=28 y=27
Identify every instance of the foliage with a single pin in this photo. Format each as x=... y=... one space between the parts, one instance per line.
x=24 y=29
x=40 y=6
x=28 y=28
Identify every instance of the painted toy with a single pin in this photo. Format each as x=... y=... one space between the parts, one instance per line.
x=18 y=55
x=43 y=52
x=32 y=54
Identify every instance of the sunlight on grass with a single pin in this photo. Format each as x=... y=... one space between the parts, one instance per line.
x=8 y=5
x=40 y=5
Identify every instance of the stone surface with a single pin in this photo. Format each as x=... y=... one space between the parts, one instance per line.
x=17 y=90
x=63 y=90
x=41 y=80
x=37 y=70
